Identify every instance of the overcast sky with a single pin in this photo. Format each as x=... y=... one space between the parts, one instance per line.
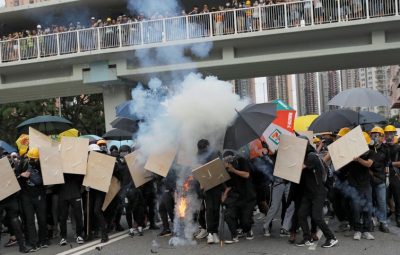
x=2 y=2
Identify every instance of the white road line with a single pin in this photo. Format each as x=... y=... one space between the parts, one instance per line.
x=93 y=243
x=100 y=246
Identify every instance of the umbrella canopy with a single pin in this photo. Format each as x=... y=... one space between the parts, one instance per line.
x=371 y=117
x=124 y=110
x=118 y=134
x=250 y=124
x=359 y=97
x=127 y=124
x=333 y=121
x=8 y=148
x=46 y=124
x=91 y=137
x=303 y=122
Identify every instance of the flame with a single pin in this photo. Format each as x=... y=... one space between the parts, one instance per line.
x=186 y=185
x=182 y=205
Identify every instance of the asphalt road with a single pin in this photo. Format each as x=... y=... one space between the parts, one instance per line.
x=121 y=244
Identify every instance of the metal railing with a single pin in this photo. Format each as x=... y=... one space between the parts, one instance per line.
x=227 y=22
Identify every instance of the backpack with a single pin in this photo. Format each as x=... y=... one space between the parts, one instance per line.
x=327 y=171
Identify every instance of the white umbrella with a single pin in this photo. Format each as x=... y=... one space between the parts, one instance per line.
x=359 y=97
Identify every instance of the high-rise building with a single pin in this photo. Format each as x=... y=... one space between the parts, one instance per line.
x=395 y=86
x=280 y=87
x=307 y=94
x=245 y=89
x=329 y=86
x=11 y=3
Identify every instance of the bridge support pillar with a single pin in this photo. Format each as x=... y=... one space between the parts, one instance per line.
x=112 y=97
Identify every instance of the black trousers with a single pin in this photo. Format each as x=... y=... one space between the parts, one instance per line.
x=11 y=207
x=239 y=211
x=361 y=208
x=212 y=205
x=149 y=194
x=313 y=203
x=63 y=209
x=96 y=220
x=395 y=191
x=135 y=209
x=35 y=204
x=340 y=204
x=166 y=208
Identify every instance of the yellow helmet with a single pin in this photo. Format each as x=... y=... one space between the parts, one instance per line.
x=378 y=130
x=367 y=137
x=396 y=140
x=390 y=128
x=101 y=142
x=248 y=2
x=22 y=151
x=343 y=131
x=316 y=140
x=33 y=153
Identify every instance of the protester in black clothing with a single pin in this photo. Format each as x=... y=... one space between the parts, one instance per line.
x=33 y=199
x=69 y=195
x=149 y=195
x=239 y=197
x=167 y=202
x=312 y=201
x=212 y=197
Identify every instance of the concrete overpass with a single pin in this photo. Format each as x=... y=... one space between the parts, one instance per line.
x=275 y=45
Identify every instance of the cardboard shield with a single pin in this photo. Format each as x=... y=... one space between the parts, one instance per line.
x=115 y=187
x=9 y=184
x=38 y=139
x=139 y=175
x=50 y=162
x=100 y=168
x=160 y=163
x=309 y=135
x=74 y=155
x=290 y=158
x=211 y=174
x=348 y=147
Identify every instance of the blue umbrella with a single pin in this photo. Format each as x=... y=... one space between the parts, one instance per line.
x=124 y=110
x=8 y=148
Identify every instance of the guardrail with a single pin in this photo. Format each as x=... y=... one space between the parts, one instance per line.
x=246 y=20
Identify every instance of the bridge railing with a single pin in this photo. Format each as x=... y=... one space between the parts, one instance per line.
x=221 y=23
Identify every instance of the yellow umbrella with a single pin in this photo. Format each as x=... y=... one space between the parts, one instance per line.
x=69 y=133
x=22 y=143
x=303 y=122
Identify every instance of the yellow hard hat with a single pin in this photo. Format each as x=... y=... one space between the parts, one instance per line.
x=22 y=151
x=367 y=137
x=343 y=131
x=33 y=153
x=378 y=130
x=390 y=128
x=248 y=2
x=316 y=140
x=108 y=19
x=100 y=142
x=395 y=140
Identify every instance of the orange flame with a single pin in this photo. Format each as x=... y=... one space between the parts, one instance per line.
x=186 y=185
x=182 y=205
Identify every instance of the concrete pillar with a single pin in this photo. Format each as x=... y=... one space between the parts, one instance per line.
x=112 y=97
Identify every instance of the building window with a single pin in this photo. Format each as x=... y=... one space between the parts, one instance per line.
x=16 y=2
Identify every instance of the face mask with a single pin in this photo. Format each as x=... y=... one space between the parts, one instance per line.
x=123 y=154
x=389 y=139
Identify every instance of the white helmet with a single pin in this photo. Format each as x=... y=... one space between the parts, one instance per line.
x=94 y=147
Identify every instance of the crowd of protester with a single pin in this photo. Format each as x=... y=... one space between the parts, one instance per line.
x=362 y=195
x=247 y=19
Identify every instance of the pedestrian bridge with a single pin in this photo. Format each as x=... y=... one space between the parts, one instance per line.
x=265 y=40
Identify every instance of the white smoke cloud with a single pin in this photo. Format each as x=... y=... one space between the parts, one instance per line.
x=150 y=7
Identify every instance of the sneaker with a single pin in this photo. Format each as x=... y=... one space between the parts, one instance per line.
x=140 y=231
x=344 y=226
x=330 y=243
x=63 y=242
x=166 y=232
x=357 y=235
x=34 y=249
x=384 y=228
x=216 y=238
x=250 y=235
x=131 y=232
x=24 y=249
x=368 y=236
x=266 y=233
x=314 y=237
x=284 y=232
x=79 y=240
x=234 y=239
x=304 y=242
x=11 y=242
x=210 y=239
x=44 y=244
x=202 y=234
x=240 y=233
x=261 y=216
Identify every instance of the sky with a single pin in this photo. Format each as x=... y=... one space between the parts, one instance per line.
x=2 y=3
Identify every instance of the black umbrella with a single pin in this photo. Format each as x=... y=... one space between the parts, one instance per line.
x=47 y=124
x=118 y=134
x=334 y=120
x=371 y=118
x=126 y=124
x=249 y=125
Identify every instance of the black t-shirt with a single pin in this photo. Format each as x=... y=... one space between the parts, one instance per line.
x=241 y=186
x=358 y=175
x=394 y=150
x=311 y=177
x=381 y=158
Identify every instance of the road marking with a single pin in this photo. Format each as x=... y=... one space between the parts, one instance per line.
x=94 y=244
x=100 y=246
